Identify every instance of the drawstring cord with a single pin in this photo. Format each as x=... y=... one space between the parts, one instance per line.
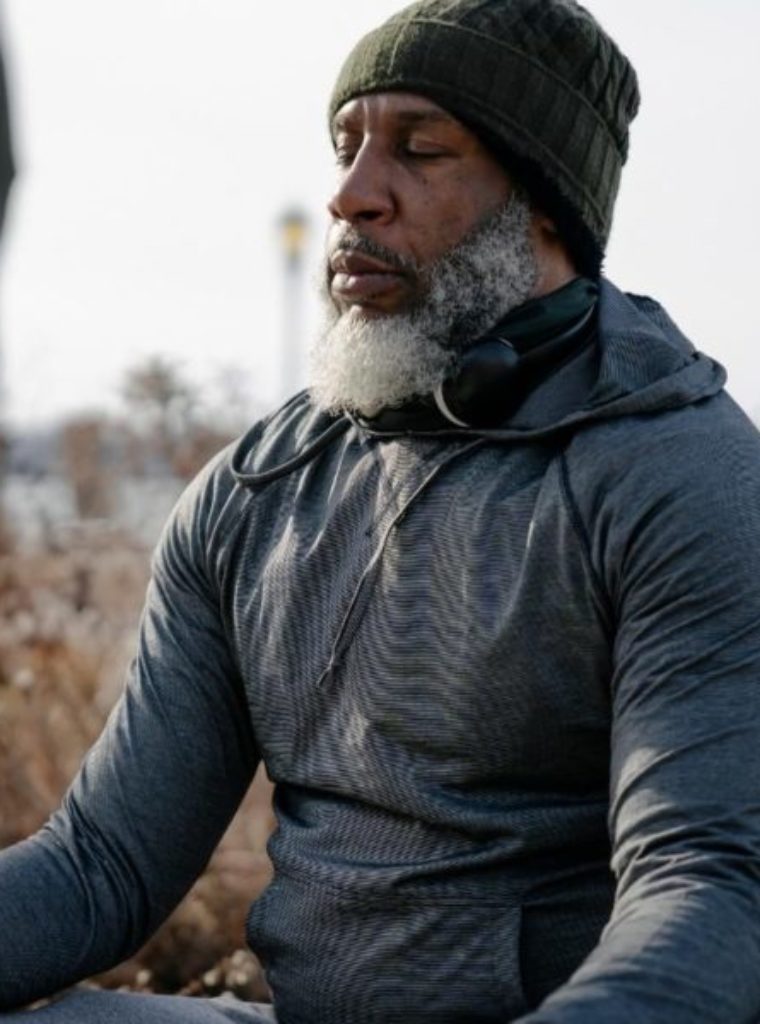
x=305 y=455
x=343 y=637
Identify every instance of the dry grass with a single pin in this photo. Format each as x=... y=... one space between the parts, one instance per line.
x=68 y=621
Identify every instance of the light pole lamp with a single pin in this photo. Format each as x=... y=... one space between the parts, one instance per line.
x=294 y=231
x=294 y=227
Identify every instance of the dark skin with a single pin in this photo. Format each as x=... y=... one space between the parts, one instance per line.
x=415 y=180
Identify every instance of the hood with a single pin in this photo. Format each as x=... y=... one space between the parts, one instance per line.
x=646 y=364
x=641 y=364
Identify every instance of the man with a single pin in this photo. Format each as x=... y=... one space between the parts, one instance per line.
x=485 y=600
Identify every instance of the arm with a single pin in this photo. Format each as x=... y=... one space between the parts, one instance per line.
x=153 y=796
x=676 y=542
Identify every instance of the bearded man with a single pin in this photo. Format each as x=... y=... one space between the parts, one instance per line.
x=486 y=601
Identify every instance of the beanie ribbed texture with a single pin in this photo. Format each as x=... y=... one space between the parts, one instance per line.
x=539 y=80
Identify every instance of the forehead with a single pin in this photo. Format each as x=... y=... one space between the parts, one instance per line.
x=393 y=109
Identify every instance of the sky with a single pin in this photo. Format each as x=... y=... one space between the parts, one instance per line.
x=159 y=141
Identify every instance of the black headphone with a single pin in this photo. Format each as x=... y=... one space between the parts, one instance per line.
x=496 y=374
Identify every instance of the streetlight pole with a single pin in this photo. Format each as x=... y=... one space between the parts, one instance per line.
x=293 y=225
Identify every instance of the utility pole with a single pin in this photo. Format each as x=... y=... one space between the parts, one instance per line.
x=6 y=176
x=6 y=158
x=294 y=228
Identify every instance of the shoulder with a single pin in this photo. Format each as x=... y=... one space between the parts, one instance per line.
x=690 y=447
x=205 y=518
x=676 y=488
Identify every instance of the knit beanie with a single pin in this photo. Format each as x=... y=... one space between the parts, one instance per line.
x=539 y=81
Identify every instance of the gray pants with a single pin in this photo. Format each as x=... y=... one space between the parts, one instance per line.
x=128 y=1008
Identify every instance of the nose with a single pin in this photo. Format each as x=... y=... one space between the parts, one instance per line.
x=364 y=192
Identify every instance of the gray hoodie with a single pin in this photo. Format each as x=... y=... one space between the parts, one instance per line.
x=507 y=684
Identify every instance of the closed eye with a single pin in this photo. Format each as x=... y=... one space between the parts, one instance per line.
x=415 y=153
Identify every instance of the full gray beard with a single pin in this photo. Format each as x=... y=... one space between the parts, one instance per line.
x=364 y=364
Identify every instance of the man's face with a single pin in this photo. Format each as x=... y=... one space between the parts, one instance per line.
x=413 y=180
x=430 y=246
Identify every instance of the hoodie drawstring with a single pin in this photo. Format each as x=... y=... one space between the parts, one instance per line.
x=308 y=453
x=353 y=617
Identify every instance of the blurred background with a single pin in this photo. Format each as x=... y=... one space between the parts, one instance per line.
x=159 y=249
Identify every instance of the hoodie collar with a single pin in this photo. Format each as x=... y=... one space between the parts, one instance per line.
x=642 y=364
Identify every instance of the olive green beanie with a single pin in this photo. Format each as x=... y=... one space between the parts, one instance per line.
x=538 y=80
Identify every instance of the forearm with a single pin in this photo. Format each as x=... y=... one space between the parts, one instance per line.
x=687 y=956
x=132 y=835
x=57 y=925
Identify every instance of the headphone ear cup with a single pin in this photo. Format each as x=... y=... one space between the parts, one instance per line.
x=478 y=395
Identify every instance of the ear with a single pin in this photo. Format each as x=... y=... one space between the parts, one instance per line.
x=556 y=267
x=544 y=227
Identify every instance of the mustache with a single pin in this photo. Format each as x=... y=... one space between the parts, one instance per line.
x=350 y=238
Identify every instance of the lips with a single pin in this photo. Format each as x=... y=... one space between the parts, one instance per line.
x=348 y=261
x=359 y=279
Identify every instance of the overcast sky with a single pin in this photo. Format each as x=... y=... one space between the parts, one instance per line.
x=159 y=140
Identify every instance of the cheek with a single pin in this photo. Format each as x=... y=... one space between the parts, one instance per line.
x=442 y=225
x=439 y=222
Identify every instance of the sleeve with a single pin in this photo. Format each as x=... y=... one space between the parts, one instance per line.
x=152 y=798
x=678 y=548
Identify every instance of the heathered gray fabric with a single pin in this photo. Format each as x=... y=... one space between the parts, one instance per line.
x=545 y=651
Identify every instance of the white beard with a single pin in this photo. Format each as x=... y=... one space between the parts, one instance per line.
x=364 y=364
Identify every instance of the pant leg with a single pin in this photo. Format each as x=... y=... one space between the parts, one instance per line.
x=91 y=1007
